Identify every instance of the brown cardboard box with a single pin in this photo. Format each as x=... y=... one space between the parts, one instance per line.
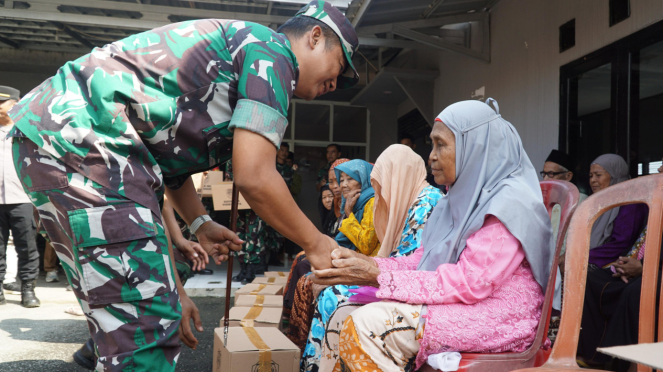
x=212 y=178
x=259 y=289
x=256 y=316
x=259 y=300
x=275 y=280
x=198 y=182
x=242 y=354
x=271 y=274
x=222 y=194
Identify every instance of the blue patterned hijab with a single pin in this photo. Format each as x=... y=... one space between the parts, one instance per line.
x=360 y=171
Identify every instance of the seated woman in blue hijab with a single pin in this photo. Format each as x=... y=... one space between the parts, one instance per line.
x=477 y=282
x=357 y=231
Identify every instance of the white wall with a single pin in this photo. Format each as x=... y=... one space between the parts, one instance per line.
x=523 y=75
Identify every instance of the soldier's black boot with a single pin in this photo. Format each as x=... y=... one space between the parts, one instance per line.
x=242 y=272
x=2 y=296
x=28 y=297
x=261 y=266
x=250 y=273
x=85 y=357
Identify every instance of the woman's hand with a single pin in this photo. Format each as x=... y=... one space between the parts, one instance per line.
x=351 y=200
x=628 y=268
x=189 y=312
x=194 y=253
x=350 y=268
x=218 y=240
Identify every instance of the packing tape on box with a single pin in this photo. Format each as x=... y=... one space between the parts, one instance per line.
x=271 y=280
x=264 y=352
x=260 y=288
x=248 y=319
x=281 y=274
x=260 y=300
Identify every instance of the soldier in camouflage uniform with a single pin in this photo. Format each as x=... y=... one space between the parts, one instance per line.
x=274 y=240
x=97 y=145
x=250 y=228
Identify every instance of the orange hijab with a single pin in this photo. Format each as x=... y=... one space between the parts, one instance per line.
x=337 y=200
x=398 y=178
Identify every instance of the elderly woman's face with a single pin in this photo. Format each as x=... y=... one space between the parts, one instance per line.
x=442 y=157
x=599 y=178
x=333 y=183
x=348 y=184
x=327 y=199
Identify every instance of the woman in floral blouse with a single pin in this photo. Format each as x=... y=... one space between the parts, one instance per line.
x=403 y=201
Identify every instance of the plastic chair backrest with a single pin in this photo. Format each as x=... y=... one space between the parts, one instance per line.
x=648 y=190
x=566 y=195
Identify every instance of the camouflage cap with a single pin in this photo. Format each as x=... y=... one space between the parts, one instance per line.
x=332 y=17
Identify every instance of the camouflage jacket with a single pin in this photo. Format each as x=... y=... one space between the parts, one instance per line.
x=158 y=106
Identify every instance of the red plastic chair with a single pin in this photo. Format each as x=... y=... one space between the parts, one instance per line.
x=648 y=190
x=565 y=195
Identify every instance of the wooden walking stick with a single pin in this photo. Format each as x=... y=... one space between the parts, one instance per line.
x=233 y=227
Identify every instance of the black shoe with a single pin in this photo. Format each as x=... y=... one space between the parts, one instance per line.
x=13 y=286
x=85 y=357
x=242 y=272
x=28 y=297
x=259 y=268
x=2 y=296
x=250 y=274
x=204 y=272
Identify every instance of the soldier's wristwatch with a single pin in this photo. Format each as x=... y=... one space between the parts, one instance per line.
x=199 y=222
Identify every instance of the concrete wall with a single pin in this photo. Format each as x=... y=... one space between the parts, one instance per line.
x=523 y=75
x=384 y=129
x=25 y=69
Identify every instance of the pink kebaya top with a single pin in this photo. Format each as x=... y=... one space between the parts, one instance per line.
x=488 y=301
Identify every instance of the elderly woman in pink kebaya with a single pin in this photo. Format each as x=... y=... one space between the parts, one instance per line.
x=476 y=283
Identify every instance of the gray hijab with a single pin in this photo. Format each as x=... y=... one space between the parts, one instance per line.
x=618 y=170
x=494 y=176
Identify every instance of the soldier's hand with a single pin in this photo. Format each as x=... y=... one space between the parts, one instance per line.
x=189 y=312
x=218 y=240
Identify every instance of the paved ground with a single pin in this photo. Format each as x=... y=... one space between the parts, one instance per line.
x=44 y=338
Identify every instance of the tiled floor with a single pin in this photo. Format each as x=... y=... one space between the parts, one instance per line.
x=215 y=285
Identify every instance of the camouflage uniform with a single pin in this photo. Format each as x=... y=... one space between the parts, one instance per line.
x=95 y=145
x=273 y=239
x=250 y=228
x=323 y=173
x=97 y=142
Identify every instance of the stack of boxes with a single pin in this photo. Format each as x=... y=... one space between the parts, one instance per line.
x=255 y=342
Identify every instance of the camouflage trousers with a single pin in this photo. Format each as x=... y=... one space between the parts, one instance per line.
x=273 y=240
x=250 y=228
x=115 y=254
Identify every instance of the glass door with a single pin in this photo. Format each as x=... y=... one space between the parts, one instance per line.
x=590 y=128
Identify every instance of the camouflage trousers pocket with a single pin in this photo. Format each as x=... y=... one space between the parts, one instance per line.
x=123 y=254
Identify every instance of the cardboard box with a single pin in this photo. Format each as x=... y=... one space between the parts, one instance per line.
x=259 y=289
x=198 y=182
x=275 y=280
x=256 y=316
x=222 y=195
x=242 y=353
x=259 y=300
x=271 y=274
x=212 y=178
